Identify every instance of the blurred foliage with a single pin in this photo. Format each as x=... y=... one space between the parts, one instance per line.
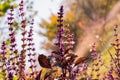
x=92 y=9
x=50 y=26
x=79 y=13
x=4 y=6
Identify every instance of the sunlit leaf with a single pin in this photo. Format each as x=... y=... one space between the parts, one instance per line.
x=80 y=60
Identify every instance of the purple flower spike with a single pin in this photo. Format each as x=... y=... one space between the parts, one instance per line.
x=13 y=51
x=31 y=49
x=24 y=39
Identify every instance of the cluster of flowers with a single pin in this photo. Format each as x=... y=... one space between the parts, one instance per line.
x=12 y=60
x=62 y=64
